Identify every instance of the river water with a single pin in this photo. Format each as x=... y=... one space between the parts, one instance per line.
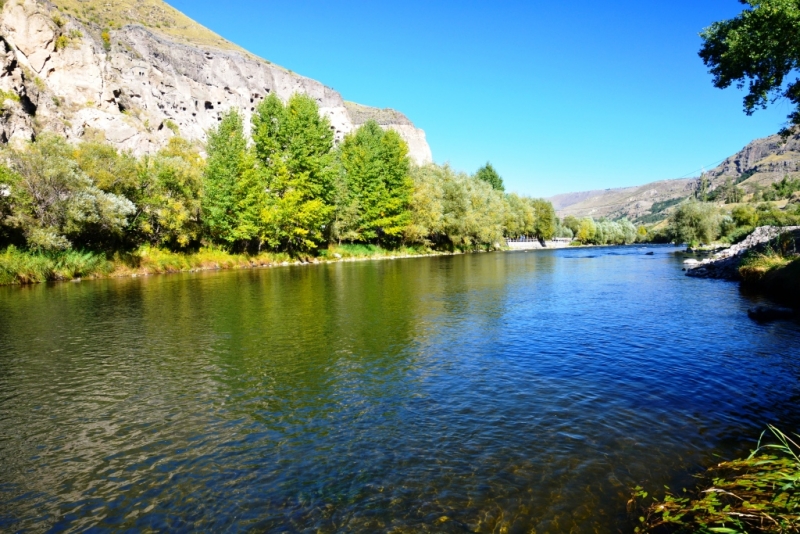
x=504 y=392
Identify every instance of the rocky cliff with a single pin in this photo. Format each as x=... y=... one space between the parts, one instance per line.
x=137 y=73
x=762 y=162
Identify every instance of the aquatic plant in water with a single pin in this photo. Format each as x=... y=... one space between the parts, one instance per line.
x=756 y=494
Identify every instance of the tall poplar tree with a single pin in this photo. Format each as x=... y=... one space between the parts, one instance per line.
x=293 y=147
x=376 y=170
x=225 y=167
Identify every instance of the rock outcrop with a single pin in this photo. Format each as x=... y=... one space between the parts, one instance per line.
x=725 y=264
x=136 y=86
x=763 y=160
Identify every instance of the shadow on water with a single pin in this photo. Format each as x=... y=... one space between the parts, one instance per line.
x=516 y=391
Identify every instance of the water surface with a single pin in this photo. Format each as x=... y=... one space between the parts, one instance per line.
x=506 y=392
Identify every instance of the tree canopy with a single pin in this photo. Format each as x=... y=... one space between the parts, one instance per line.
x=488 y=174
x=758 y=49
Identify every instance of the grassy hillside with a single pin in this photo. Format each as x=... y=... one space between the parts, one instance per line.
x=153 y=14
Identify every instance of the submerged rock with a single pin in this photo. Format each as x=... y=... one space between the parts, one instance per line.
x=768 y=313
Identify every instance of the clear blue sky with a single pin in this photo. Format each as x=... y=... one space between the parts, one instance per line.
x=559 y=96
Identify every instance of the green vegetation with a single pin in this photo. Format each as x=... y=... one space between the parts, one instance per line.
x=289 y=194
x=6 y=96
x=758 y=494
x=105 y=36
x=659 y=207
x=587 y=231
x=780 y=190
x=775 y=270
x=171 y=126
x=65 y=40
x=758 y=48
x=375 y=188
x=697 y=223
x=18 y=267
x=453 y=210
x=490 y=176
x=149 y=13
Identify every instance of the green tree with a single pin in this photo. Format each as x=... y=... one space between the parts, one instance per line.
x=785 y=187
x=490 y=176
x=520 y=216
x=587 y=230
x=427 y=204
x=702 y=189
x=758 y=48
x=573 y=223
x=110 y=170
x=745 y=215
x=293 y=147
x=695 y=222
x=168 y=196
x=545 y=219
x=226 y=167
x=376 y=169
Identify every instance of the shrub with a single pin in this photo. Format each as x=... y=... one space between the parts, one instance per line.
x=695 y=222
x=738 y=234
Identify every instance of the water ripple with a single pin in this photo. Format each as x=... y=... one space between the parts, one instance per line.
x=517 y=392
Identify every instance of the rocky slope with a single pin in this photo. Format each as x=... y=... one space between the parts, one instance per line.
x=630 y=202
x=760 y=163
x=137 y=73
x=725 y=264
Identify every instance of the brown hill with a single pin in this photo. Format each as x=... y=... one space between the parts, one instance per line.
x=759 y=164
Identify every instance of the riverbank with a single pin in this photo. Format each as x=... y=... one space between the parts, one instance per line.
x=20 y=267
x=766 y=262
x=775 y=275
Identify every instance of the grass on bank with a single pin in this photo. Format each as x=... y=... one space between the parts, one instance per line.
x=774 y=271
x=19 y=266
x=758 y=494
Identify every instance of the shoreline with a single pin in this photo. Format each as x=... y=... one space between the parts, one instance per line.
x=231 y=262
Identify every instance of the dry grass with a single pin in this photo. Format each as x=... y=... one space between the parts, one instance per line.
x=153 y=14
x=755 y=268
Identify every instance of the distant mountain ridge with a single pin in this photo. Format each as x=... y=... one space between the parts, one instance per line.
x=137 y=72
x=760 y=163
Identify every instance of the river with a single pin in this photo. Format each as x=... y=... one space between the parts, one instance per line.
x=503 y=392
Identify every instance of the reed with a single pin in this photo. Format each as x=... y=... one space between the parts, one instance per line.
x=23 y=267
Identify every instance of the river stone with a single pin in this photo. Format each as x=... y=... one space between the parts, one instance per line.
x=768 y=313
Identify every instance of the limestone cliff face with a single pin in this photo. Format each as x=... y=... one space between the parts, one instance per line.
x=137 y=87
x=391 y=119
